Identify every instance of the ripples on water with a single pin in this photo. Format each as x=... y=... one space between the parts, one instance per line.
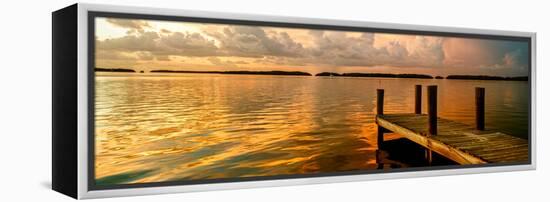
x=204 y=126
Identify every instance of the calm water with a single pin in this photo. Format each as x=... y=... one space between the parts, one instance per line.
x=203 y=126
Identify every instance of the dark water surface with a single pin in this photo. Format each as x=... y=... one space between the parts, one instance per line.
x=204 y=126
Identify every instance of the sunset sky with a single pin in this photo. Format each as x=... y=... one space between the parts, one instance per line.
x=147 y=45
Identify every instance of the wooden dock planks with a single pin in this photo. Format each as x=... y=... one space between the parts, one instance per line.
x=457 y=141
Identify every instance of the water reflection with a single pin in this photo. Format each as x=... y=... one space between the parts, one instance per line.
x=163 y=128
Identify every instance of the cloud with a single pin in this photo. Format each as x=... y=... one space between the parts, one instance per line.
x=146 y=41
x=160 y=46
x=341 y=49
x=145 y=55
x=499 y=57
x=426 y=51
x=225 y=63
x=186 y=44
x=510 y=59
x=248 y=41
x=336 y=48
x=241 y=41
x=114 y=55
x=238 y=46
x=215 y=61
x=332 y=48
x=162 y=58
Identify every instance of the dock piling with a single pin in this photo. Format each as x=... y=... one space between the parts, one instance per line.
x=418 y=99
x=428 y=156
x=480 y=108
x=380 y=101
x=432 y=110
x=380 y=111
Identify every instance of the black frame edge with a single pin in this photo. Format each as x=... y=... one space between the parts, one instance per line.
x=64 y=101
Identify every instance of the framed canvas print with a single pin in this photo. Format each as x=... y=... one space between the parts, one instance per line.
x=151 y=101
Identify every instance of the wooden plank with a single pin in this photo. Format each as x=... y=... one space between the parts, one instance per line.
x=515 y=158
x=506 y=155
x=524 y=158
x=436 y=146
x=457 y=141
x=509 y=147
x=480 y=148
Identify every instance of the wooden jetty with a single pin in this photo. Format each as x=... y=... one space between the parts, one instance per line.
x=456 y=141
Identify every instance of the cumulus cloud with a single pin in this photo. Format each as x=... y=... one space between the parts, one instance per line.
x=114 y=55
x=336 y=48
x=507 y=58
x=186 y=44
x=248 y=41
x=340 y=49
x=142 y=42
x=330 y=47
x=426 y=52
x=510 y=59
x=160 y=46
x=227 y=45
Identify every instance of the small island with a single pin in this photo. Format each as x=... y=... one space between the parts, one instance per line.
x=382 y=75
x=284 y=73
x=328 y=74
x=485 y=77
x=113 y=70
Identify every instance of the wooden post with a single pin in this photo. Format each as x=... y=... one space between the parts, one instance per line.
x=380 y=111
x=432 y=110
x=428 y=155
x=379 y=162
x=379 y=101
x=480 y=108
x=418 y=99
x=432 y=118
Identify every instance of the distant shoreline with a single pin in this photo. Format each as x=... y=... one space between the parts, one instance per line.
x=113 y=70
x=490 y=78
x=283 y=73
x=328 y=74
x=379 y=75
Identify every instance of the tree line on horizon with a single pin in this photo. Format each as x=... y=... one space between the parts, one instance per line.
x=327 y=74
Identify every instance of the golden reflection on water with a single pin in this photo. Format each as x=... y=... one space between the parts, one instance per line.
x=165 y=128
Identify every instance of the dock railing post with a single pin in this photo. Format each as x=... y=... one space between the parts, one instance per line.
x=380 y=111
x=480 y=108
x=418 y=99
x=432 y=110
x=432 y=117
x=379 y=101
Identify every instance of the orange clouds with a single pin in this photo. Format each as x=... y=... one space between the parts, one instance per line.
x=464 y=53
x=173 y=45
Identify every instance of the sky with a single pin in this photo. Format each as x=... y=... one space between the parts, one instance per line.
x=174 y=45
